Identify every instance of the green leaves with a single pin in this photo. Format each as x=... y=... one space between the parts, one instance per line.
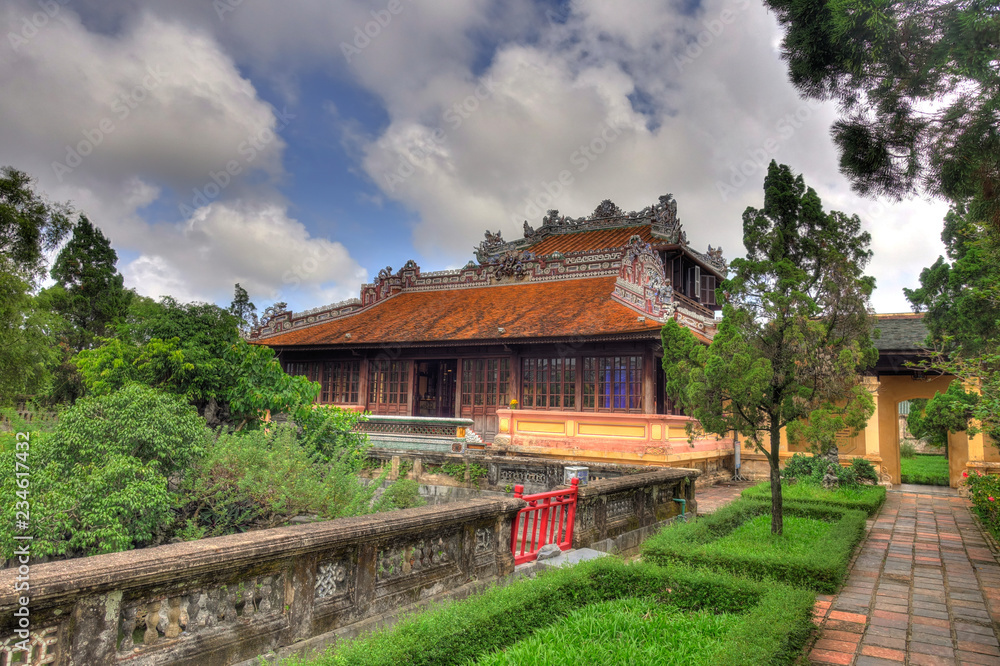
x=795 y=331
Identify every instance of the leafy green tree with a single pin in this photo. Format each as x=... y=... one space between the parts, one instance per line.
x=29 y=227
x=961 y=300
x=945 y=413
x=961 y=295
x=244 y=310
x=100 y=478
x=919 y=90
x=230 y=381
x=796 y=328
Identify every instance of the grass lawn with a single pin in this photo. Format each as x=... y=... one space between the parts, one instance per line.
x=599 y=612
x=625 y=632
x=928 y=470
x=800 y=537
x=813 y=552
x=861 y=498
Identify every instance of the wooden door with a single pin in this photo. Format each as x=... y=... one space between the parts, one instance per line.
x=485 y=387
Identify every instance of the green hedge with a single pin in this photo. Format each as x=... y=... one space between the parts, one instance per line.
x=822 y=569
x=777 y=618
x=859 y=498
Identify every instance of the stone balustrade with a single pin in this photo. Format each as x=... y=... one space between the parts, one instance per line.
x=415 y=432
x=227 y=599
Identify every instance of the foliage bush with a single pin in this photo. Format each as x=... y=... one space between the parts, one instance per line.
x=984 y=491
x=775 y=619
x=801 y=467
x=138 y=466
x=99 y=479
x=859 y=498
x=928 y=470
x=907 y=451
x=703 y=543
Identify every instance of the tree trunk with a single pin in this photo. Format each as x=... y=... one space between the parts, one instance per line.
x=777 y=523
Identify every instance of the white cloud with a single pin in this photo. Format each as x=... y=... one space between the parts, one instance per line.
x=268 y=253
x=702 y=104
x=122 y=123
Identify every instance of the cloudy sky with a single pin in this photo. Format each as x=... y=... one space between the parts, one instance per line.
x=298 y=148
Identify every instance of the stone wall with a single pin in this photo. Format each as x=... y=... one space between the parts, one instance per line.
x=537 y=475
x=227 y=599
x=616 y=515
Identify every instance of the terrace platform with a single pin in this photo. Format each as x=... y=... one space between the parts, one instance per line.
x=924 y=589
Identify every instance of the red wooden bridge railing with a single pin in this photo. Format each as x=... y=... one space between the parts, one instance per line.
x=548 y=518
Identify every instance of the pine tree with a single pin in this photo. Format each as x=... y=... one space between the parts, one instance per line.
x=796 y=329
x=919 y=90
x=89 y=292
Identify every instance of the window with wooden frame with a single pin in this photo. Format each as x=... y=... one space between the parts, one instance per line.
x=388 y=386
x=485 y=382
x=612 y=384
x=307 y=369
x=548 y=383
x=340 y=382
x=708 y=289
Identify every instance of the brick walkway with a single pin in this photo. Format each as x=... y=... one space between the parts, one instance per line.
x=924 y=590
x=710 y=499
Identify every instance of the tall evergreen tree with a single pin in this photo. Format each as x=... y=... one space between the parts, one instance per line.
x=796 y=328
x=919 y=89
x=244 y=310
x=89 y=292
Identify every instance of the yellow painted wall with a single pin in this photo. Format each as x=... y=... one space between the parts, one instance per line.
x=893 y=390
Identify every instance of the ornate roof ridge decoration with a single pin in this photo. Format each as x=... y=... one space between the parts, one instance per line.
x=643 y=286
x=661 y=218
x=642 y=283
x=519 y=267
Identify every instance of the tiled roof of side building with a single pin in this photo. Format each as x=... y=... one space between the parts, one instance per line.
x=592 y=240
x=901 y=332
x=530 y=310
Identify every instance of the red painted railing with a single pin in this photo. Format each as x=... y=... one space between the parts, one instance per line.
x=548 y=518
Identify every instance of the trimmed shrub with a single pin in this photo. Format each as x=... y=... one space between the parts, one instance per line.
x=907 y=451
x=821 y=567
x=859 y=498
x=774 y=619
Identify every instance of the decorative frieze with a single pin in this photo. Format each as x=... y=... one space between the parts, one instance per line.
x=522 y=476
x=619 y=507
x=331 y=579
x=425 y=554
x=43 y=648
x=144 y=623
x=484 y=540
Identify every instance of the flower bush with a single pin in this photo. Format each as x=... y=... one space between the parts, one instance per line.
x=984 y=489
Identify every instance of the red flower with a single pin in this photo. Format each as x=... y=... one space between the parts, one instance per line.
x=991 y=498
x=965 y=475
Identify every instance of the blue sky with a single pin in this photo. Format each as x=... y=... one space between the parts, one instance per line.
x=298 y=148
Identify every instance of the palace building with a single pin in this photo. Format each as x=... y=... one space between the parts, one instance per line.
x=565 y=320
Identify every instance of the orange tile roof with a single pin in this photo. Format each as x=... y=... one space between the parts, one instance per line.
x=592 y=240
x=529 y=310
